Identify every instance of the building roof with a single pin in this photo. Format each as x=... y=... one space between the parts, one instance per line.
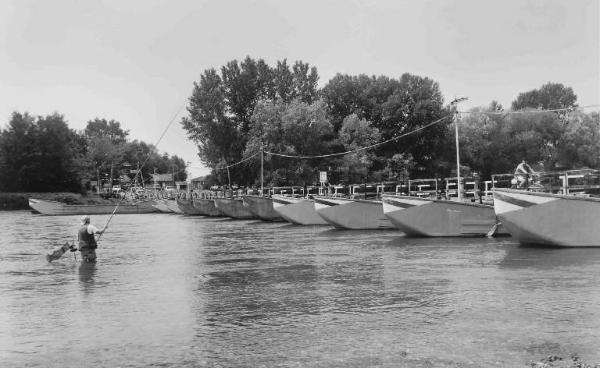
x=200 y=178
x=162 y=177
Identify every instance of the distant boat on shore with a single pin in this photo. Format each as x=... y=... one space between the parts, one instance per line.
x=53 y=208
x=549 y=219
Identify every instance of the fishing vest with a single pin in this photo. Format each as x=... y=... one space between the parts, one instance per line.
x=86 y=240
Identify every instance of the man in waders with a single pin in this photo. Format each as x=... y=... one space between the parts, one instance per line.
x=87 y=241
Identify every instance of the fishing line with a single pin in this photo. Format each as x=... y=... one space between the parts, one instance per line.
x=144 y=163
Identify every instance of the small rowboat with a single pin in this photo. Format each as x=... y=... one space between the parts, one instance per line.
x=53 y=208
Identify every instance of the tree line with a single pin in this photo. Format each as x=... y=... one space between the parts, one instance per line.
x=248 y=106
x=42 y=154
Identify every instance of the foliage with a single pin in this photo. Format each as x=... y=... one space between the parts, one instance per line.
x=137 y=153
x=222 y=105
x=357 y=133
x=579 y=146
x=549 y=96
x=43 y=154
x=394 y=107
x=39 y=154
x=493 y=144
x=295 y=128
x=361 y=95
x=109 y=129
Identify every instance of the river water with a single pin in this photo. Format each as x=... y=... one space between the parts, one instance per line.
x=174 y=291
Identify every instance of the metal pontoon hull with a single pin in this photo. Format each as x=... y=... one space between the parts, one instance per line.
x=172 y=204
x=439 y=218
x=298 y=211
x=207 y=207
x=233 y=208
x=161 y=205
x=187 y=207
x=262 y=207
x=549 y=219
x=352 y=213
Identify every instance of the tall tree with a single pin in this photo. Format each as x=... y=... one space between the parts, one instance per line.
x=357 y=133
x=416 y=102
x=41 y=154
x=579 y=146
x=105 y=147
x=361 y=95
x=394 y=107
x=549 y=96
x=222 y=105
x=296 y=128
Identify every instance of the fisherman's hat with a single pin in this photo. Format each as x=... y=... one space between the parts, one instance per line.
x=85 y=219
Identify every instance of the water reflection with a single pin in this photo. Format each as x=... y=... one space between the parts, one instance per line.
x=548 y=258
x=177 y=291
x=87 y=272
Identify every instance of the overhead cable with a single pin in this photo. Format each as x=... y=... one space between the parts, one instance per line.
x=363 y=148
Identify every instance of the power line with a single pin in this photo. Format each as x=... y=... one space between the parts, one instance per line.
x=363 y=148
x=527 y=111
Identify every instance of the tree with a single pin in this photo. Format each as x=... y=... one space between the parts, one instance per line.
x=394 y=107
x=361 y=95
x=222 y=105
x=105 y=146
x=138 y=153
x=416 y=102
x=549 y=96
x=495 y=144
x=358 y=133
x=110 y=129
x=295 y=128
x=579 y=146
x=17 y=144
x=39 y=154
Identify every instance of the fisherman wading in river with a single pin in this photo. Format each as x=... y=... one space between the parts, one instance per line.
x=87 y=241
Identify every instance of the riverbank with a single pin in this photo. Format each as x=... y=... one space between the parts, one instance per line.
x=19 y=201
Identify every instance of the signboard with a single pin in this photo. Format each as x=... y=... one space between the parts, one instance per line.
x=323 y=177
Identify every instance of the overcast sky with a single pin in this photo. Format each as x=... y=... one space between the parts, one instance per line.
x=136 y=61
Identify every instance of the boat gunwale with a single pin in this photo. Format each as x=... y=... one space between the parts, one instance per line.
x=325 y=200
x=548 y=195
x=62 y=204
x=481 y=205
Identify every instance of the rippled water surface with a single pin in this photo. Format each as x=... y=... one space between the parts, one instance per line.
x=174 y=291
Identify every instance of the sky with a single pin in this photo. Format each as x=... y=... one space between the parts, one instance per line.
x=136 y=61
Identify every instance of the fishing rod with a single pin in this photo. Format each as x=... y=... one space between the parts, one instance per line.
x=142 y=166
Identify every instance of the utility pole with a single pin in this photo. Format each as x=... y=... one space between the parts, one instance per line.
x=173 y=173
x=262 y=177
x=229 y=179
x=137 y=173
x=458 y=183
